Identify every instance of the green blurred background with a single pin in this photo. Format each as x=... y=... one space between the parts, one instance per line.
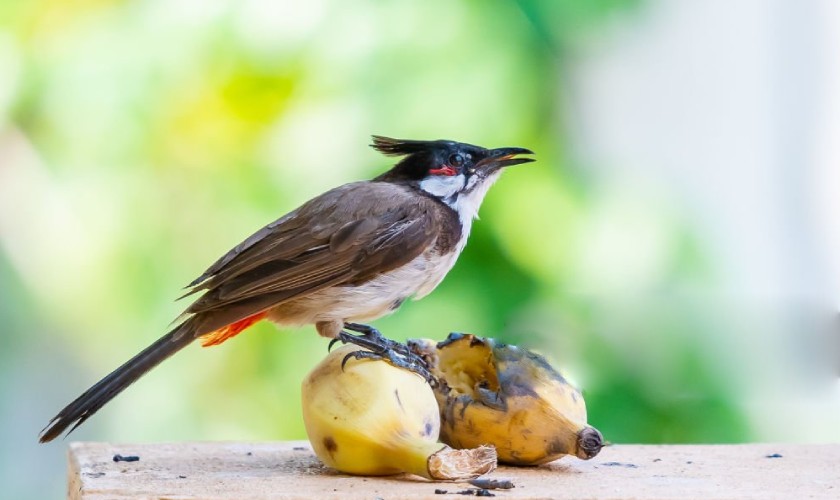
x=673 y=250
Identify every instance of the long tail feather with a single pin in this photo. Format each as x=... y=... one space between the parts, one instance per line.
x=103 y=391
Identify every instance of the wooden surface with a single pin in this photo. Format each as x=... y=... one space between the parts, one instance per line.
x=289 y=470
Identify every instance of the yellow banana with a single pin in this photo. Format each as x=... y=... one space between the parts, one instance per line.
x=372 y=418
x=508 y=397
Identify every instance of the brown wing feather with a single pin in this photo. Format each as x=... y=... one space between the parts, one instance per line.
x=296 y=256
x=284 y=224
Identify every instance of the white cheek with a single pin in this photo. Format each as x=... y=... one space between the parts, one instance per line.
x=471 y=182
x=443 y=187
x=467 y=204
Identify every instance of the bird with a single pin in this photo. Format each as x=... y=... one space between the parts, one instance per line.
x=352 y=254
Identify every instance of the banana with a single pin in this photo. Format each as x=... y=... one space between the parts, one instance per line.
x=369 y=417
x=508 y=397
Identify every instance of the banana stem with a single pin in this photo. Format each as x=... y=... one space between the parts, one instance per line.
x=438 y=461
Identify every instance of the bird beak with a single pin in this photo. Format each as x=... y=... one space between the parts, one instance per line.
x=503 y=157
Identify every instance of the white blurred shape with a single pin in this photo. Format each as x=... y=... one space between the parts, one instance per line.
x=735 y=108
x=624 y=246
x=685 y=97
x=279 y=24
x=825 y=178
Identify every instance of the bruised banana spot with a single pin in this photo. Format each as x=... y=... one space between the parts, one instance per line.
x=427 y=428
x=330 y=445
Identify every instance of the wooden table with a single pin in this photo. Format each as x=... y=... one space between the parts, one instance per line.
x=217 y=470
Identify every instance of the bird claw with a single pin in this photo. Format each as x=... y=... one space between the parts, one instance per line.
x=332 y=343
x=375 y=336
x=379 y=347
x=413 y=365
x=359 y=355
x=371 y=334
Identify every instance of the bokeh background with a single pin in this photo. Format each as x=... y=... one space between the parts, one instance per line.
x=674 y=250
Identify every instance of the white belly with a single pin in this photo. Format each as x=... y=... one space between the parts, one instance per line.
x=378 y=297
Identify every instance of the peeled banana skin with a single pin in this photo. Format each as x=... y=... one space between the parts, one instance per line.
x=502 y=395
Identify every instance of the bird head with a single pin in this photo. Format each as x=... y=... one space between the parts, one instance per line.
x=458 y=174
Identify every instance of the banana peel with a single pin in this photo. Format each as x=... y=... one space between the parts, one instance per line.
x=496 y=394
x=368 y=417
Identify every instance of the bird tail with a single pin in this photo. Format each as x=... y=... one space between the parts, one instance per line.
x=103 y=391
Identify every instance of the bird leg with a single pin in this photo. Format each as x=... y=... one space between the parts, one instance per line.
x=366 y=330
x=380 y=347
x=368 y=333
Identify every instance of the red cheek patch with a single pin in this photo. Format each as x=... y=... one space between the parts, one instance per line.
x=444 y=170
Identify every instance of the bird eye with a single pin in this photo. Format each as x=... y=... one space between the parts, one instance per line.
x=456 y=160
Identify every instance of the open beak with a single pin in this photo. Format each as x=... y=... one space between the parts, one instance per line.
x=504 y=157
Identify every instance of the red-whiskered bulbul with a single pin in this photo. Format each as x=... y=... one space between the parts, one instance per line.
x=354 y=253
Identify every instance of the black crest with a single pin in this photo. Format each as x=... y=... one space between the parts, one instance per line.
x=401 y=147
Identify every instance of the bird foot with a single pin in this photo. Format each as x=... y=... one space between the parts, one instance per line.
x=380 y=347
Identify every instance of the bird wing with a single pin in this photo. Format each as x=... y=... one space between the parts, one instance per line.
x=314 y=247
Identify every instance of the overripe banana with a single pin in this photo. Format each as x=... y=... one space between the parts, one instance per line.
x=371 y=418
x=508 y=397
